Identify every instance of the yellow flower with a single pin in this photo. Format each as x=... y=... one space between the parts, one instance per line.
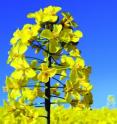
x=29 y=94
x=67 y=35
x=75 y=53
x=79 y=63
x=71 y=90
x=86 y=86
x=87 y=100
x=75 y=36
x=46 y=73
x=21 y=40
x=37 y=15
x=48 y=14
x=67 y=61
x=15 y=93
x=32 y=94
x=29 y=32
x=12 y=83
x=53 y=37
x=16 y=53
x=23 y=69
x=67 y=20
x=25 y=36
x=16 y=37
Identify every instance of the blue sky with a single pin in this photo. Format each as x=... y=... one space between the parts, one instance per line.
x=98 y=22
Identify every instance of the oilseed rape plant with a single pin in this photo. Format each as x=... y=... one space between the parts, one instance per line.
x=49 y=70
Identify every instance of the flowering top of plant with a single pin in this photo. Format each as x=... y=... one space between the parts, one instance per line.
x=55 y=37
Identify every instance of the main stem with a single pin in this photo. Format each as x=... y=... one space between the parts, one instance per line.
x=47 y=93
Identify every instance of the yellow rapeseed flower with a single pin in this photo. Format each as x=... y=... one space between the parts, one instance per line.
x=48 y=14
x=67 y=35
x=23 y=69
x=53 y=37
x=46 y=73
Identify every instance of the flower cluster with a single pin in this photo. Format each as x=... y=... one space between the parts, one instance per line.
x=55 y=37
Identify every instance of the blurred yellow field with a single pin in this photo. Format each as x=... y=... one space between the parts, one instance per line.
x=60 y=115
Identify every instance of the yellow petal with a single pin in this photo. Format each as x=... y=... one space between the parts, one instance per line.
x=76 y=36
x=44 y=67
x=46 y=34
x=75 y=53
x=80 y=62
x=15 y=93
x=68 y=97
x=30 y=73
x=17 y=74
x=43 y=77
x=52 y=72
x=52 y=10
x=57 y=29
x=53 y=46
